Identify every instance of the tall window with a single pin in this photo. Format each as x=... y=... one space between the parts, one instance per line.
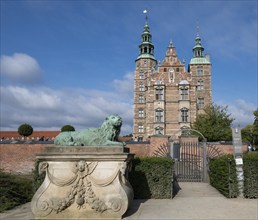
x=159 y=115
x=159 y=93
x=200 y=103
x=199 y=71
x=159 y=130
x=184 y=115
x=200 y=85
x=141 y=113
x=140 y=128
x=141 y=74
x=141 y=99
x=141 y=87
x=184 y=93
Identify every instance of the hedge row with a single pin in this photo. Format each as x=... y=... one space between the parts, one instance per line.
x=220 y=178
x=251 y=175
x=151 y=177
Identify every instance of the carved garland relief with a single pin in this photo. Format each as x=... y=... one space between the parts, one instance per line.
x=81 y=191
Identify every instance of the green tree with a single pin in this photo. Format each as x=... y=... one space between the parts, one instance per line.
x=214 y=123
x=67 y=128
x=25 y=130
x=248 y=134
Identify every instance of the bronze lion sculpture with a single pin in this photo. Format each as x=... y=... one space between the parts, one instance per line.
x=105 y=135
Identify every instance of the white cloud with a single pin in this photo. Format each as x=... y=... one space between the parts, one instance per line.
x=126 y=84
x=242 y=111
x=20 y=66
x=48 y=109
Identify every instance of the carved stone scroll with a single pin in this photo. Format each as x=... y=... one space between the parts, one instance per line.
x=83 y=186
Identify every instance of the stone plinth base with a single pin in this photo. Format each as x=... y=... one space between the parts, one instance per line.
x=83 y=183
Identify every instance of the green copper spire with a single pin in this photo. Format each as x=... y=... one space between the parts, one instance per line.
x=198 y=52
x=146 y=47
x=198 y=48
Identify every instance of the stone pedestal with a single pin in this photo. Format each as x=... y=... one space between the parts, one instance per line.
x=83 y=183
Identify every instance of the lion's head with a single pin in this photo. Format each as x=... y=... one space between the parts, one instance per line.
x=111 y=127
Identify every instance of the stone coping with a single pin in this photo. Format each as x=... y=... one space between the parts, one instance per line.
x=90 y=153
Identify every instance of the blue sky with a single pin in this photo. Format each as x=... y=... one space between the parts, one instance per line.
x=72 y=62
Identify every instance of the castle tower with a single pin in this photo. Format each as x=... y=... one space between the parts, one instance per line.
x=167 y=97
x=200 y=69
x=145 y=66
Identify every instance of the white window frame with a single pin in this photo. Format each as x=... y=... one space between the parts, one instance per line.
x=184 y=93
x=140 y=128
x=159 y=115
x=141 y=99
x=184 y=115
x=141 y=87
x=200 y=85
x=141 y=113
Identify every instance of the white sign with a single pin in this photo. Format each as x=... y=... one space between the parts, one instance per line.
x=239 y=161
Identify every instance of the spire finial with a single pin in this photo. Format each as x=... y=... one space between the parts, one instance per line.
x=146 y=15
x=197 y=28
x=170 y=43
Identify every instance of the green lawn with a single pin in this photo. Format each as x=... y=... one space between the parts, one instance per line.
x=15 y=190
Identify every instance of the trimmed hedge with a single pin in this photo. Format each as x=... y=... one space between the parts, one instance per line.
x=220 y=177
x=251 y=175
x=151 y=177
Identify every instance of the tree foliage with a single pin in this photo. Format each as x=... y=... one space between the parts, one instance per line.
x=25 y=130
x=250 y=132
x=214 y=123
x=67 y=128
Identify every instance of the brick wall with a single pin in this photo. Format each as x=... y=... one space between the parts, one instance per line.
x=19 y=158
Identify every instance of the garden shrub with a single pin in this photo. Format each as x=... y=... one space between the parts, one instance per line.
x=251 y=175
x=220 y=178
x=151 y=177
